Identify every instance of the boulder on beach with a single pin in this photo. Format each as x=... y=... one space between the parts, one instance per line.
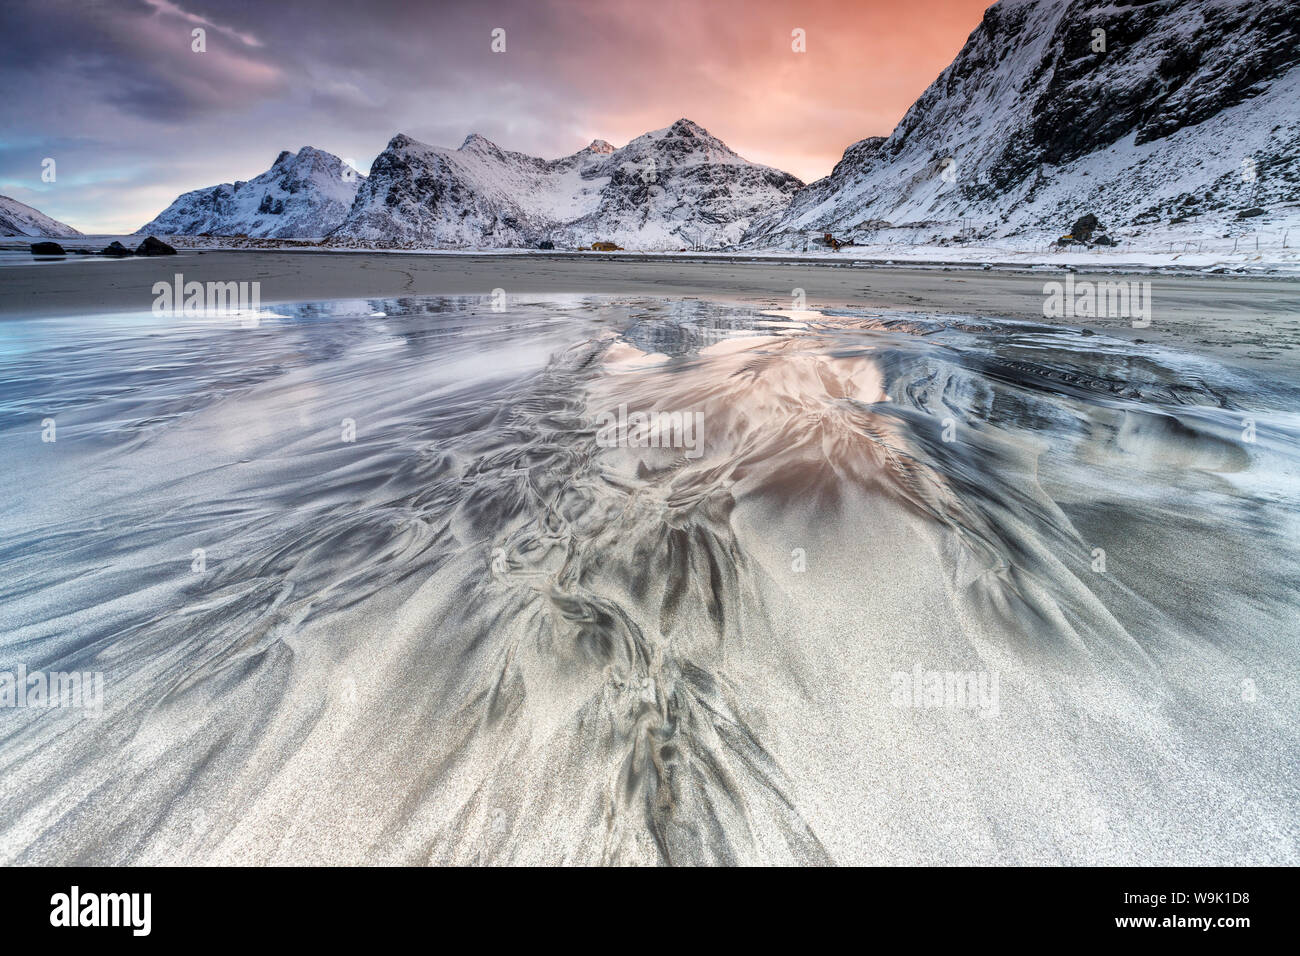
x=154 y=247
x=48 y=249
x=116 y=250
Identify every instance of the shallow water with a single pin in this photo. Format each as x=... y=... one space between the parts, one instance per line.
x=370 y=581
x=24 y=257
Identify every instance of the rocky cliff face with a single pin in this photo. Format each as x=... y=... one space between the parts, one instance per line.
x=1138 y=111
x=664 y=190
x=303 y=195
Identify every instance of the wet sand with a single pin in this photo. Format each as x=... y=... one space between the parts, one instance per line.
x=1245 y=320
x=365 y=584
x=473 y=630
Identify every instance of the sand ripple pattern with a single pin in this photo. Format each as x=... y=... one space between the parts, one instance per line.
x=476 y=634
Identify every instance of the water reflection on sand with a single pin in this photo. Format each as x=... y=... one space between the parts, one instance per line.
x=478 y=633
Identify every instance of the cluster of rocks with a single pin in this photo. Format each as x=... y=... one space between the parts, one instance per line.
x=115 y=250
x=1086 y=231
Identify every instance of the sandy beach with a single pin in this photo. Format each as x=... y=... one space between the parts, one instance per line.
x=1243 y=318
x=385 y=577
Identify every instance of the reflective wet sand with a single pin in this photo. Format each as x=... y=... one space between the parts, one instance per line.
x=441 y=617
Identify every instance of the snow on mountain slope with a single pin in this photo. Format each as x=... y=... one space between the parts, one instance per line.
x=19 y=219
x=1190 y=111
x=302 y=195
x=666 y=189
x=476 y=195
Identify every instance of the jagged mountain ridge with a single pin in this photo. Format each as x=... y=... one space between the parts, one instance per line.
x=663 y=190
x=1031 y=126
x=20 y=219
x=303 y=195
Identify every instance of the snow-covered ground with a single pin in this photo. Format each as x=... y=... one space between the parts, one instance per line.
x=1170 y=250
x=1183 y=256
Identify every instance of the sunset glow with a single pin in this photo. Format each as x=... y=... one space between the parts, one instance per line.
x=135 y=117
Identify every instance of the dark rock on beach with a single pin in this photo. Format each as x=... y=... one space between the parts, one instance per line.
x=154 y=247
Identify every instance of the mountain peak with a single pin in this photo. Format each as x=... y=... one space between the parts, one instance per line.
x=483 y=196
x=684 y=127
x=305 y=158
x=475 y=141
x=303 y=194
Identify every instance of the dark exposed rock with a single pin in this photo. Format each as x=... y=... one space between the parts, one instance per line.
x=1251 y=213
x=154 y=247
x=48 y=249
x=1192 y=81
x=1084 y=227
x=116 y=250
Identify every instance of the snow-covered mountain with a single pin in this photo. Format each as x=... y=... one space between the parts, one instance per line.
x=1190 y=111
x=19 y=219
x=664 y=190
x=303 y=195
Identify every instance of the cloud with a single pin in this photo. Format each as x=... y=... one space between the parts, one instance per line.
x=170 y=9
x=113 y=85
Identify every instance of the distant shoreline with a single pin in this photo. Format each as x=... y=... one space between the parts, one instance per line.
x=1247 y=320
x=1269 y=262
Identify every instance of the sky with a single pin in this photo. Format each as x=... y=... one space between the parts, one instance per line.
x=132 y=115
